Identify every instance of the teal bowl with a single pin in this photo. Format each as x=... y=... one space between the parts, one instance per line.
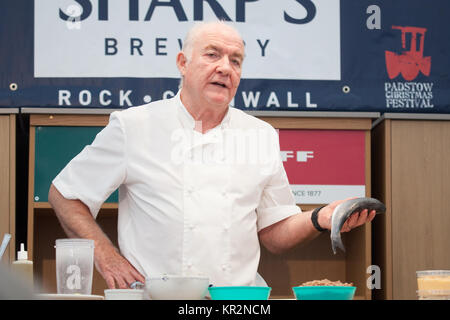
x=324 y=293
x=239 y=293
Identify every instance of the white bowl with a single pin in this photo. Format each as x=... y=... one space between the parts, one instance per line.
x=67 y=296
x=173 y=287
x=124 y=294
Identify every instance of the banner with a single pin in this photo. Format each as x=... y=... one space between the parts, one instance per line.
x=301 y=55
x=142 y=38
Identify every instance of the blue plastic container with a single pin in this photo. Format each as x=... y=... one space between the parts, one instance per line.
x=239 y=293
x=324 y=293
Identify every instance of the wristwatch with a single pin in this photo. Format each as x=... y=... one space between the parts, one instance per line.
x=314 y=219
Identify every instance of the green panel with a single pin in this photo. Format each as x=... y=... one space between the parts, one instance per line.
x=54 y=148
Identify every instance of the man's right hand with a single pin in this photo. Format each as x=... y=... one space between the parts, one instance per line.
x=114 y=268
x=77 y=222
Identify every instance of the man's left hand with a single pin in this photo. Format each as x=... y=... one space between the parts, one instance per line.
x=355 y=220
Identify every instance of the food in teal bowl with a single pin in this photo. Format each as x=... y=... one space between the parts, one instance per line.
x=324 y=293
x=324 y=290
x=239 y=293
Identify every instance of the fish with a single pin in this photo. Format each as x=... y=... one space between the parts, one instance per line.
x=344 y=210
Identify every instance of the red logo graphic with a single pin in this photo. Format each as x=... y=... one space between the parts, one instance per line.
x=410 y=62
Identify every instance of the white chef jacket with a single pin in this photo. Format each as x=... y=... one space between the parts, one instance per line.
x=189 y=203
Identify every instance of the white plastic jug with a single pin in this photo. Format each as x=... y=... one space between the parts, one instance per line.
x=74 y=266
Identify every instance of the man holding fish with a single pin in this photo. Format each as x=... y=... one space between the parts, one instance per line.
x=183 y=214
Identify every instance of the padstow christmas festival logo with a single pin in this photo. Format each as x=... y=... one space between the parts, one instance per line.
x=403 y=68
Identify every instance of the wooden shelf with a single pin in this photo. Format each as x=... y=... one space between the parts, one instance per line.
x=320 y=123
x=411 y=157
x=8 y=182
x=46 y=205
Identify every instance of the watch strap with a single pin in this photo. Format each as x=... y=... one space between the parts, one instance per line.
x=314 y=219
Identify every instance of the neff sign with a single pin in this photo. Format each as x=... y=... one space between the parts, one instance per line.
x=291 y=39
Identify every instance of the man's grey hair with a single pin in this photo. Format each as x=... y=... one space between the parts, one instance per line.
x=192 y=35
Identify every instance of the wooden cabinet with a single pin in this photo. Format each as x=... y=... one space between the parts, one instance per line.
x=411 y=166
x=311 y=261
x=315 y=260
x=54 y=140
x=7 y=180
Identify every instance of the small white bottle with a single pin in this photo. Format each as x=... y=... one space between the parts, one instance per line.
x=23 y=267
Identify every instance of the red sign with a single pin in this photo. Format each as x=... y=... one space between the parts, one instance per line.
x=329 y=157
x=326 y=164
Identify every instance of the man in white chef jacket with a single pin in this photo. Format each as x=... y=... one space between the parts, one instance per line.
x=201 y=184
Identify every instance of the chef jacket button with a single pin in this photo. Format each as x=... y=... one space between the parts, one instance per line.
x=226 y=228
x=224 y=267
x=191 y=226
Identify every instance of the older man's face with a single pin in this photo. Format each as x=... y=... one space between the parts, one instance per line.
x=212 y=75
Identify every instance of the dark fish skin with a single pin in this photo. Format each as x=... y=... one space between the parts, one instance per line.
x=345 y=210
